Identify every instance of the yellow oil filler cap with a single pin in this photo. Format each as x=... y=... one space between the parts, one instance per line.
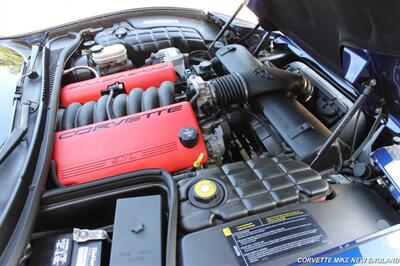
x=205 y=190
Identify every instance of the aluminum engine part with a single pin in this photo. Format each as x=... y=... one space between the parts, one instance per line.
x=215 y=145
x=172 y=55
x=203 y=92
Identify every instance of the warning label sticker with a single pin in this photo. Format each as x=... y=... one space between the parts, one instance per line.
x=270 y=237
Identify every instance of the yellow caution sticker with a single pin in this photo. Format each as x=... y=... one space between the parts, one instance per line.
x=283 y=216
x=266 y=238
x=244 y=226
x=227 y=231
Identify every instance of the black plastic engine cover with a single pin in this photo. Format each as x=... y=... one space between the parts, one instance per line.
x=236 y=58
x=250 y=187
x=140 y=43
x=300 y=129
x=355 y=212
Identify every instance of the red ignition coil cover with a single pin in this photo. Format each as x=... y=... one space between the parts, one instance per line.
x=145 y=140
x=144 y=78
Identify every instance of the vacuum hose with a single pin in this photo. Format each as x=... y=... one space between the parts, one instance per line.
x=236 y=88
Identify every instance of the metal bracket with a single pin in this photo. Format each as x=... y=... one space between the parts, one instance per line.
x=83 y=235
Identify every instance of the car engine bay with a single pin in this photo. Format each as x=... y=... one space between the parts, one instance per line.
x=157 y=97
x=168 y=145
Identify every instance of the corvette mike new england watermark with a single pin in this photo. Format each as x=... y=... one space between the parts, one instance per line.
x=349 y=260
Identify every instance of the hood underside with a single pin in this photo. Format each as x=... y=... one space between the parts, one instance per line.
x=324 y=28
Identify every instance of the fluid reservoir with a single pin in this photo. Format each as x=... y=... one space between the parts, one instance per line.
x=206 y=193
x=109 y=55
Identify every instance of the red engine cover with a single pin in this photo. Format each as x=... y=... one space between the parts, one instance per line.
x=144 y=140
x=144 y=78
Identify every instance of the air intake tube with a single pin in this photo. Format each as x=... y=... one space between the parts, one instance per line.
x=236 y=88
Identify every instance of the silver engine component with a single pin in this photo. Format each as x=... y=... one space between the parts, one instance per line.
x=203 y=92
x=171 y=54
x=215 y=145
